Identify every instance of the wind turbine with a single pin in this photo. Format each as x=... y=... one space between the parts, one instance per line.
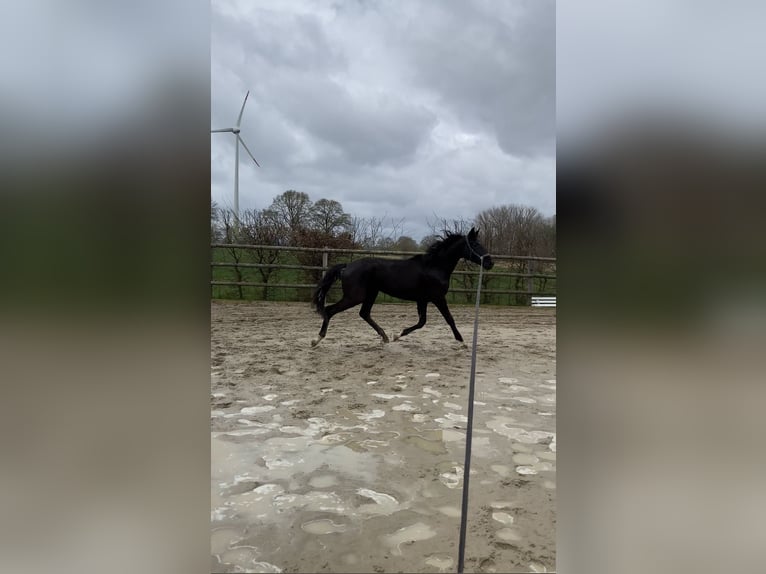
x=235 y=131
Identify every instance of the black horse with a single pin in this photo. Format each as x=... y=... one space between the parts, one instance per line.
x=422 y=278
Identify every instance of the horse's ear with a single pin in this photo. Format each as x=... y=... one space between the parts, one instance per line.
x=473 y=234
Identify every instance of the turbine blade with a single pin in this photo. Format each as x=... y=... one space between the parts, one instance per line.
x=222 y=130
x=239 y=119
x=248 y=151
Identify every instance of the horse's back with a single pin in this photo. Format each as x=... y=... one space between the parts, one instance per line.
x=401 y=278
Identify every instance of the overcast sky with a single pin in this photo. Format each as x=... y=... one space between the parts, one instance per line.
x=402 y=109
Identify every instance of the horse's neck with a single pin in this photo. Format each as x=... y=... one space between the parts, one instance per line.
x=448 y=259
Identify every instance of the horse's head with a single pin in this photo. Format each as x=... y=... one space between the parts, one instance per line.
x=475 y=250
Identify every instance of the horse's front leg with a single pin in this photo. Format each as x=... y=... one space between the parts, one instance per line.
x=441 y=304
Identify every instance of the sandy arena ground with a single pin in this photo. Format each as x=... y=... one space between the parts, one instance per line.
x=348 y=457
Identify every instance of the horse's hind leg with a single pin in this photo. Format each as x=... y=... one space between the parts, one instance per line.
x=330 y=310
x=364 y=313
x=422 y=321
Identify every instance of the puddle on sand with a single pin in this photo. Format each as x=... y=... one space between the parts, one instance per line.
x=375 y=414
x=501 y=469
x=383 y=504
x=525 y=400
x=452 y=479
x=322 y=526
x=253 y=432
x=247 y=556
x=524 y=459
x=312 y=501
x=434 y=447
x=414 y=533
x=222 y=538
x=323 y=481
x=257 y=410
x=432 y=375
x=443 y=563
x=501 y=425
x=287 y=456
x=481 y=447
x=388 y=397
x=451 y=511
x=350 y=559
x=452 y=435
x=404 y=407
x=508 y=535
x=335 y=438
x=290 y=402
x=450 y=419
x=502 y=517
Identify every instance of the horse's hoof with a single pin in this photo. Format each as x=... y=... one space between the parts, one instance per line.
x=396 y=337
x=315 y=342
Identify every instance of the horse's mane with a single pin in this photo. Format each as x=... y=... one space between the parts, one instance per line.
x=447 y=240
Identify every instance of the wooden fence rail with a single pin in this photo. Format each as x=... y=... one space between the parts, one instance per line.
x=359 y=251
x=229 y=272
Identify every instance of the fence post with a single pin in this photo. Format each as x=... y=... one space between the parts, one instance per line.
x=530 y=280
x=324 y=262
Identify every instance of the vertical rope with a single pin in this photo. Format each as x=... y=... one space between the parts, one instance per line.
x=469 y=428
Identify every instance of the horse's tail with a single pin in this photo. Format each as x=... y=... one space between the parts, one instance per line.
x=332 y=275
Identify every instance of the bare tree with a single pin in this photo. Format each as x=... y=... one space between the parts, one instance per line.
x=427 y=241
x=232 y=235
x=216 y=233
x=292 y=210
x=375 y=232
x=406 y=243
x=441 y=225
x=517 y=230
x=318 y=239
x=258 y=228
x=328 y=217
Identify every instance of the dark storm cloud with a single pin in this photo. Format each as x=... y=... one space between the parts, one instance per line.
x=367 y=131
x=404 y=109
x=493 y=65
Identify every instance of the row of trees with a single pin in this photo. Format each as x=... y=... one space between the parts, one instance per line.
x=293 y=219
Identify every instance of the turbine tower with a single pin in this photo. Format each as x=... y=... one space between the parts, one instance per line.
x=235 y=130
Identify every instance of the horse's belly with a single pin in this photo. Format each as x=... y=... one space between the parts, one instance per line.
x=411 y=291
